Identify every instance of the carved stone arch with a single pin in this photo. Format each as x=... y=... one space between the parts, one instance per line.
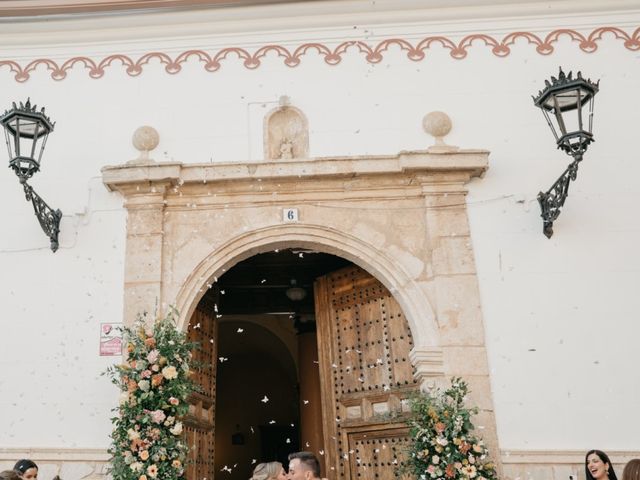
x=286 y=134
x=381 y=265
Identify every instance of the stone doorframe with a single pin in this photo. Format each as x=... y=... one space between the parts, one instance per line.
x=402 y=218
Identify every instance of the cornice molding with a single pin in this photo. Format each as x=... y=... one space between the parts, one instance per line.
x=292 y=57
x=136 y=180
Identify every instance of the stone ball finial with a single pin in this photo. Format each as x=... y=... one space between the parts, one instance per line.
x=438 y=125
x=145 y=139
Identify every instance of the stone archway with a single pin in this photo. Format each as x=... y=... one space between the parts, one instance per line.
x=393 y=275
x=402 y=218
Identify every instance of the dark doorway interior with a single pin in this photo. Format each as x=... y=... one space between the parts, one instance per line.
x=257 y=412
x=259 y=284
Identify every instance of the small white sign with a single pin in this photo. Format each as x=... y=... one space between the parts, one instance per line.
x=110 y=339
x=289 y=215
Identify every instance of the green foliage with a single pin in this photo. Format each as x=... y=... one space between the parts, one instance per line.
x=443 y=446
x=155 y=384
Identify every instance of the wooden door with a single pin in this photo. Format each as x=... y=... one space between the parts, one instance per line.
x=200 y=421
x=366 y=375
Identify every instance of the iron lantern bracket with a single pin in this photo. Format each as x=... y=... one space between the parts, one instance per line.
x=553 y=199
x=49 y=219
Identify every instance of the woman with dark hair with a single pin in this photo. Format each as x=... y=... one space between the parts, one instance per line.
x=632 y=470
x=597 y=466
x=26 y=469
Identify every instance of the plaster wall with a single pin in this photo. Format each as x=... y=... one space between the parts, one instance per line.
x=559 y=315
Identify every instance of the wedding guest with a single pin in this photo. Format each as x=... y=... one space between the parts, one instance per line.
x=26 y=469
x=9 y=475
x=632 y=470
x=269 y=471
x=597 y=466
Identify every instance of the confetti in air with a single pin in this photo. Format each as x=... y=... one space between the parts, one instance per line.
x=240 y=330
x=223 y=359
x=305 y=401
x=265 y=399
x=271 y=422
x=288 y=440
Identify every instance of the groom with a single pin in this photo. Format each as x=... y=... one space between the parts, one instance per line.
x=303 y=466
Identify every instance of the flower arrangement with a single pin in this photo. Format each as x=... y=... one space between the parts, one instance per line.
x=155 y=384
x=443 y=446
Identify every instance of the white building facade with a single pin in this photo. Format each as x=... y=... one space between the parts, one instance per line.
x=557 y=317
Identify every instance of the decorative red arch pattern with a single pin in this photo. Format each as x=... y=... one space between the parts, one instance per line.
x=372 y=54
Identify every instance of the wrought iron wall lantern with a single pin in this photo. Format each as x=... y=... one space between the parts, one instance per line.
x=26 y=131
x=565 y=102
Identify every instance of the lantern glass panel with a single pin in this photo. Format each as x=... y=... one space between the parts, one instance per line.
x=26 y=127
x=568 y=99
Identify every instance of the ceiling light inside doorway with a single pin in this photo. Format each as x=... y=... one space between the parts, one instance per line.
x=294 y=292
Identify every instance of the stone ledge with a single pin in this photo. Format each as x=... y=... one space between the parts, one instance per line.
x=466 y=164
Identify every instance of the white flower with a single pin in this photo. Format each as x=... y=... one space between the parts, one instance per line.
x=435 y=459
x=176 y=429
x=143 y=385
x=169 y=372
x=469 y=471
x=135 y=466
x=124 y=398
x=133 y=434
x=169 y=421
x=442 y=441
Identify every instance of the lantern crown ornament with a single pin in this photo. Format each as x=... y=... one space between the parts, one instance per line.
x=26 y=131
x=564 y=94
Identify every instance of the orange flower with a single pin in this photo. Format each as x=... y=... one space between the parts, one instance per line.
x=176 y=464
x=150 y=342
x=144 y=455
x=440 y=427
x=131 y=386
x=136 y=443
x=130 y=347
x=464 y=447
x=450 y=471
x=157 y=379
x=142 y=477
